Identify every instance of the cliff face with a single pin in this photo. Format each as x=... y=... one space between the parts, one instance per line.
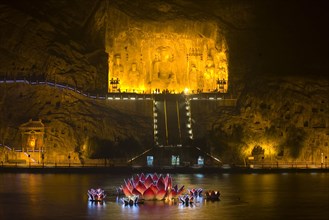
x=47 y=40
x=73 y=123
x=287 y=118
x=272 y=55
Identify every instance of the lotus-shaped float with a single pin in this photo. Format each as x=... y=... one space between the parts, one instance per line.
x=131 y=200
x=151 y=187
x=212 y=195
x=186 y=199
x=96 y=195
x=195 y=192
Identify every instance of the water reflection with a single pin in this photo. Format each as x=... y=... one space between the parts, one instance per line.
x=199 y=175
x=130 y=209
x=243 y=196
x=96 y=205
x=96 y=208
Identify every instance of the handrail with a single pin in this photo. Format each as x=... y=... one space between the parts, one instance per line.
x=106 y=95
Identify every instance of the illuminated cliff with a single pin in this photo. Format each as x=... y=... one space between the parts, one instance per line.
x=173 y=55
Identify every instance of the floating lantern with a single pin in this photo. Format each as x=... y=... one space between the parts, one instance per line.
x=151 y=187
x=96 y=195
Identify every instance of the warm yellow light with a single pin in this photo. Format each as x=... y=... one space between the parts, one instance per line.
x=186 y=90
x=32 y=143
x=269 y=147
x=153 y=62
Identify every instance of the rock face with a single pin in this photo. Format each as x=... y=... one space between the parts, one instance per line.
x=74 y=124
x=37 y=43
x=287 y=118
x=276 y=64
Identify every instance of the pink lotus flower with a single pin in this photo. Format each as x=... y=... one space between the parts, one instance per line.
x=131 y=200
x=151 y=187
x=96 y=195
x=197 y=192
x=186 y=199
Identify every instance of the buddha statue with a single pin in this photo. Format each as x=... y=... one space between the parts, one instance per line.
x=194 y=77
x=164 y=74
x=134 y=77
x=209 y=75
x=117 y=69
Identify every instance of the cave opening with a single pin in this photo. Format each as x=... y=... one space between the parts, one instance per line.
x=172 y=57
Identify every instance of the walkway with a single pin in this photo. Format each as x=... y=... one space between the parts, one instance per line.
x=122 y=96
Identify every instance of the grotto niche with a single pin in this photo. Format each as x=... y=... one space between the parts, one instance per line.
x=171 y=56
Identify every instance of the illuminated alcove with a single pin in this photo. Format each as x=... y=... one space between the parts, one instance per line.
x=173 y=55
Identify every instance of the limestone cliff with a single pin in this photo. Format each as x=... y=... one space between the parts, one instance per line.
x=277 y=66
x=286 y=117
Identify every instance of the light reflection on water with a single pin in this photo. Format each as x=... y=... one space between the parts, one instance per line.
x=244 y=196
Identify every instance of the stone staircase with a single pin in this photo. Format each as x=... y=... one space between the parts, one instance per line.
x=172 y=120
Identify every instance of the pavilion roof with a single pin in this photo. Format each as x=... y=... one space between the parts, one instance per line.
x=32 y=125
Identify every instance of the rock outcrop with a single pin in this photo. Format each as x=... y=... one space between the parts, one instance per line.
x=287 y=118
x=277 y=68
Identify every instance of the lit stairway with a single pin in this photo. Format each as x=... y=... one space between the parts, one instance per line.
x=29 y=158
x=172 y=120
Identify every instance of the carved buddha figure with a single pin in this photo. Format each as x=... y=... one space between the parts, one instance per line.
x=164 y=74
x=118 y=71
x=222 y=66
x=134 y=77
x=209 y=75
x=194 y=77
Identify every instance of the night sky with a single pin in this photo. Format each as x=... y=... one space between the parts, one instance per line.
x=294 y=36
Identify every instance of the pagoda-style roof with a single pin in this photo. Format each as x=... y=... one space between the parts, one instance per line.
x=32 y=125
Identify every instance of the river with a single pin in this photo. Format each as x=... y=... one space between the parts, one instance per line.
x=243 y=196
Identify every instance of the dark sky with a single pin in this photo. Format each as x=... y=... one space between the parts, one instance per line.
x=274 y=37
x=293 y=36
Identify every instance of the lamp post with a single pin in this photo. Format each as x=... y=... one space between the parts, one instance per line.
x=43 y=160
x=29 y=160
x=69 y=157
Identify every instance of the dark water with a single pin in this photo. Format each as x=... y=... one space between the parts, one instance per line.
x=244 y=196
